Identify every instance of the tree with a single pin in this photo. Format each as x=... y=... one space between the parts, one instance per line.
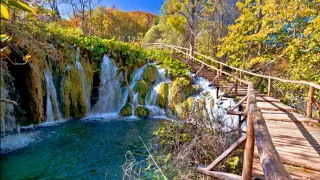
x=277 y=37
x=54 y=5
x=81 y=9
x=192 y=11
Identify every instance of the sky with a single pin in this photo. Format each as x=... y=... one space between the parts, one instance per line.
x=152 y=6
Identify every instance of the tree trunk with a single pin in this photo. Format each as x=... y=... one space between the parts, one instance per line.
x=90 y=16
x=83 y=23
x=191 y=44
x=128 y=86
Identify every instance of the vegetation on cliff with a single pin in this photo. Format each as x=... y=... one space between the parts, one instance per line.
x=73 y=95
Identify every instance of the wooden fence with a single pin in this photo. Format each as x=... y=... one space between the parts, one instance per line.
x=257 y=131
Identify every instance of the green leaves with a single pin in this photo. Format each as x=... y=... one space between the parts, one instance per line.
x=20 y=6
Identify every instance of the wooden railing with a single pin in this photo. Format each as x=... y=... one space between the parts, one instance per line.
x=257 y=131
x=312 y=86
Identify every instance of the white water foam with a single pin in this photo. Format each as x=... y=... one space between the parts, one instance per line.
x=17 y=141
x=52 y=106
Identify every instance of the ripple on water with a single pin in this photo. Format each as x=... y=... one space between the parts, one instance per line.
x=16 y=141
x=92 y=148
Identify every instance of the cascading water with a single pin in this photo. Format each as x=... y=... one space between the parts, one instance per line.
x=84 y=81
x=7 y=110
x=216 y=108
x=110 y=92
x=151 y=101
x=52 y=106
x=136 y=77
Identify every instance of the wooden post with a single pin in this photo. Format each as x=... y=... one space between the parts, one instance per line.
x=269 y=87
x=221 y=68
x=217 y=93
x=249 y=148
x=309 y=102
x=240 y=77
x=236 y=87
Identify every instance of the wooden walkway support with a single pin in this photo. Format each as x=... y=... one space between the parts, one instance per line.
x=286 y=147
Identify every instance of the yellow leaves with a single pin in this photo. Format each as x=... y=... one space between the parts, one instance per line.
x=13 y=4
x=4 y=37
x=178 y=23
x=20 y=6
x=29 y=56
x=4 y=12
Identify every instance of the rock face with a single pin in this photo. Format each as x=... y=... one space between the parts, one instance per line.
x=35 y=104
x=150 y=73
x=180 y=89
x=126 y=110
x=72 y=95
x=141 y=111
x=163 y=96
x=141 y=87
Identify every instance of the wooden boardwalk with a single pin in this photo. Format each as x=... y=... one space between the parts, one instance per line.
x=296 y=137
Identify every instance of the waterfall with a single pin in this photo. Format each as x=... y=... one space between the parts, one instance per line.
x=86 y=91
x=136 y=77
x=110 y=92
x=7 y=113
x=151 y=101
x=52 y=106
x=218 y=111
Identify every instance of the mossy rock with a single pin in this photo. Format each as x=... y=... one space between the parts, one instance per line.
x=141 y=87
x=196 y=89
x=72 y=95
x=180 y=89
x=141 y=99
x=141 y=111
x=183 y=109
x=163 y=98
x=150 y=73
x=126 y=110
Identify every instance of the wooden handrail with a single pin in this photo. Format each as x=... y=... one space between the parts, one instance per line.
x=256 y=131
x=317 y=86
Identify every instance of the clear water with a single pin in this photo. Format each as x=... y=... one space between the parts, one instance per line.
x=83 y=149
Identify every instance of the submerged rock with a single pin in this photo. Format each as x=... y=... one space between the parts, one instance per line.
x=150 y=73
x=141 y=111
x=163 y=95
x=126 y=110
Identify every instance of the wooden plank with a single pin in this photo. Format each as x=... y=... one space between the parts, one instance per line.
x=240 y=113
x=233 y=147
x=263 y=99
x=249 y=147
x=274 y=106
x=239 y=103
x=295 y=162
x=219 y=175
x=287 y=117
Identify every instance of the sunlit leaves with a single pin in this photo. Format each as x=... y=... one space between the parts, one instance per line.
x=13 y=4
x=4 y=12
x=20 y=6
